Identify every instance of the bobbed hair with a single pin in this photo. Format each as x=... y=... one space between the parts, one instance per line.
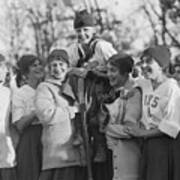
x=123 y=62
x=25 y=62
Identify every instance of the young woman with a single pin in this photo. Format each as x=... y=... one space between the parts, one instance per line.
x=124 y=109
x=92 y=53
x=160 y=119
x=24 y=117
x=62 y=159
x=7 y=152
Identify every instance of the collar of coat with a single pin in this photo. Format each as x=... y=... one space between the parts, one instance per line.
x=65 y=88
x=127 y=90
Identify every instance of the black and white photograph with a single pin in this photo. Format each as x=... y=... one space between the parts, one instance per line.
x=90 y=90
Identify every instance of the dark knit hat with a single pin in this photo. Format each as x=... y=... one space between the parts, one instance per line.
x=160 y=53
x=58 y=54
x=83 y=19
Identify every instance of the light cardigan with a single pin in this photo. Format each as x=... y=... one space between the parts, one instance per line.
x=126 y=151
x=7 y=152
x=55 y=114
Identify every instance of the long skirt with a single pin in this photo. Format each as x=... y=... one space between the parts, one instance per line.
x=66 y=173
x=29 y=156
x=103 y=170
x=156 y=160
x=175 y=174
x=8 y=174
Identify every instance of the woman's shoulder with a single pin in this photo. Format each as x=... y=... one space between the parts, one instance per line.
x=170 y=85
x=171 y=81
x=43 y=84
x=24 y=91
x=103 y=45
x=169 y=88
x=133 y=90
x=47 y=87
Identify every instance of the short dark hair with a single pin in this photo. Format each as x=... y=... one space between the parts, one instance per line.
x=123 y=62
x=23 y=66
x=25 y=62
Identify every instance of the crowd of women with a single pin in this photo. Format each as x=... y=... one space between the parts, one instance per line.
x=133 y=123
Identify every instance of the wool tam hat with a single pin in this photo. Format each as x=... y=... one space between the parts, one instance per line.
x=160 y=53
x=58 y=54
x=83 y=19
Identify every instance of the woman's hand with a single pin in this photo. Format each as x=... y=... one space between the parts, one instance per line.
x=72 y=110
x=91 y=65
x=139 y=132
x=80 y=72
x=135 y=131
x=117 y=131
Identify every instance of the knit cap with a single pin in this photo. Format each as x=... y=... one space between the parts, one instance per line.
x=83 y=19
x=58 y=54
x=160 y=53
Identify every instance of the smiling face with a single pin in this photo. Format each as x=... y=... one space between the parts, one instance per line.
x=35 y=70
x=116 y=79
x=58 y=70
x=150 y=68
x=85 y=34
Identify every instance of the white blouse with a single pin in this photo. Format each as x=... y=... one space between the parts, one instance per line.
x=7 y=152
x=23 y=102
x=161 y=108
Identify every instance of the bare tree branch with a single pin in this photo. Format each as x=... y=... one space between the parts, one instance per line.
x=153 y=25
x=174 y=40
x=154 y=10
x=165 y=30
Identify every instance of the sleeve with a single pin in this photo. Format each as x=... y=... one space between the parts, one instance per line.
x=170 y=124
x=47 y=109
x=73 y=54
x=131 y=117
x=105 y=49
x=116 y=131
x=5 y=96
x=18 y=106
x=133 y=107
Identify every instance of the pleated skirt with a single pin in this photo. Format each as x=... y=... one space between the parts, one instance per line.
x=29 y=153
x=103 y=170
x=8 y=174
x=66 y=173
x=160 y=159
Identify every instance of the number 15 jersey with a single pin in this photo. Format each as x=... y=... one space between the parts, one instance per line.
x=160 y=107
